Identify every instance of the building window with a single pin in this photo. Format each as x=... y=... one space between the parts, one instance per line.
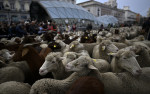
x=98 y=12
x=88 y=10
x=1 y=6
x=22 y=7
x=12 y=6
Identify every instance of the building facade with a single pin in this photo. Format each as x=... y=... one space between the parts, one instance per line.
x=14 y=10
x=18 y=10
x=100 y=9
x=130 y=16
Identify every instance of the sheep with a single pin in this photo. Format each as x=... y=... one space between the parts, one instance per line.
x=29 y=39
x=53 y=63
x=2 y=64
x=11 y=74
x=143 y=55
x=69 y=56
x=24 y=67
x=52 y=86
x=8 y=42
x=31 y=56
x=90 y=85
x=56 y=47
x=75 y=46
x=125 y=60
x=120 y=45
x=114 y=83
x=101 y=65
x=99 y=39
x=7 y=55
x=89 y=47
x=147 y=43
x=13 y=87
x=101 y=51
x=64 y=47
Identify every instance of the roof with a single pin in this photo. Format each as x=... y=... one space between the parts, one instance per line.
x=59 y=9
x=107 y=19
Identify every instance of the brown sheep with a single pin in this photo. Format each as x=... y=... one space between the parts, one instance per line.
x=33 y=58
x=87 y=85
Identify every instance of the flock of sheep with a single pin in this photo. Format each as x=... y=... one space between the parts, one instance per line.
x=119 y=58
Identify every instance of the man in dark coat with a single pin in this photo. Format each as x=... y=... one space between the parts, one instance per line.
x=146 y=27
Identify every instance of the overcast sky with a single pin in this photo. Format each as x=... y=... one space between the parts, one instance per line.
x=138 y=6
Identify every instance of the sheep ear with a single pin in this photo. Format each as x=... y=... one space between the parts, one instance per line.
x=25 y=51
x=92 y=67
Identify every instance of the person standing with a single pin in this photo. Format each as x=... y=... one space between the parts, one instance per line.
x=74 y=27
x=146 y=28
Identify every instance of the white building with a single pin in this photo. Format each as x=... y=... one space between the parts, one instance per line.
x=112 y=3
x=130 y=16
x=100 y=9
x=14 y=10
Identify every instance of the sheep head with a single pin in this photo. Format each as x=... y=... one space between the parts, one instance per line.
x=126 y=60
x=108 y=47
x=76 y=46
x=81 y=64
x=6 y=54
x=51 y=63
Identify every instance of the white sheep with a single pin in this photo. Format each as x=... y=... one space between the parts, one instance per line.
x=53 y=63
x=64 y=47
x=75 y=46
x=23 y=66
x=89 y=47
x=69 y=56
x=114 y=83
x=101 y=51
x=11 y=74
x=52 y=86
x=125 y=60
x=143 y=54
x=6 y=54
x=14 y=87
x=120 y=45
x=100 y=64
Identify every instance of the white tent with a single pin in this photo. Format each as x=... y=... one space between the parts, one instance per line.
x=107 y=19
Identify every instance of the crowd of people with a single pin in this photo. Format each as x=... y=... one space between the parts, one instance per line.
x=24 y=28
x=32 y=27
